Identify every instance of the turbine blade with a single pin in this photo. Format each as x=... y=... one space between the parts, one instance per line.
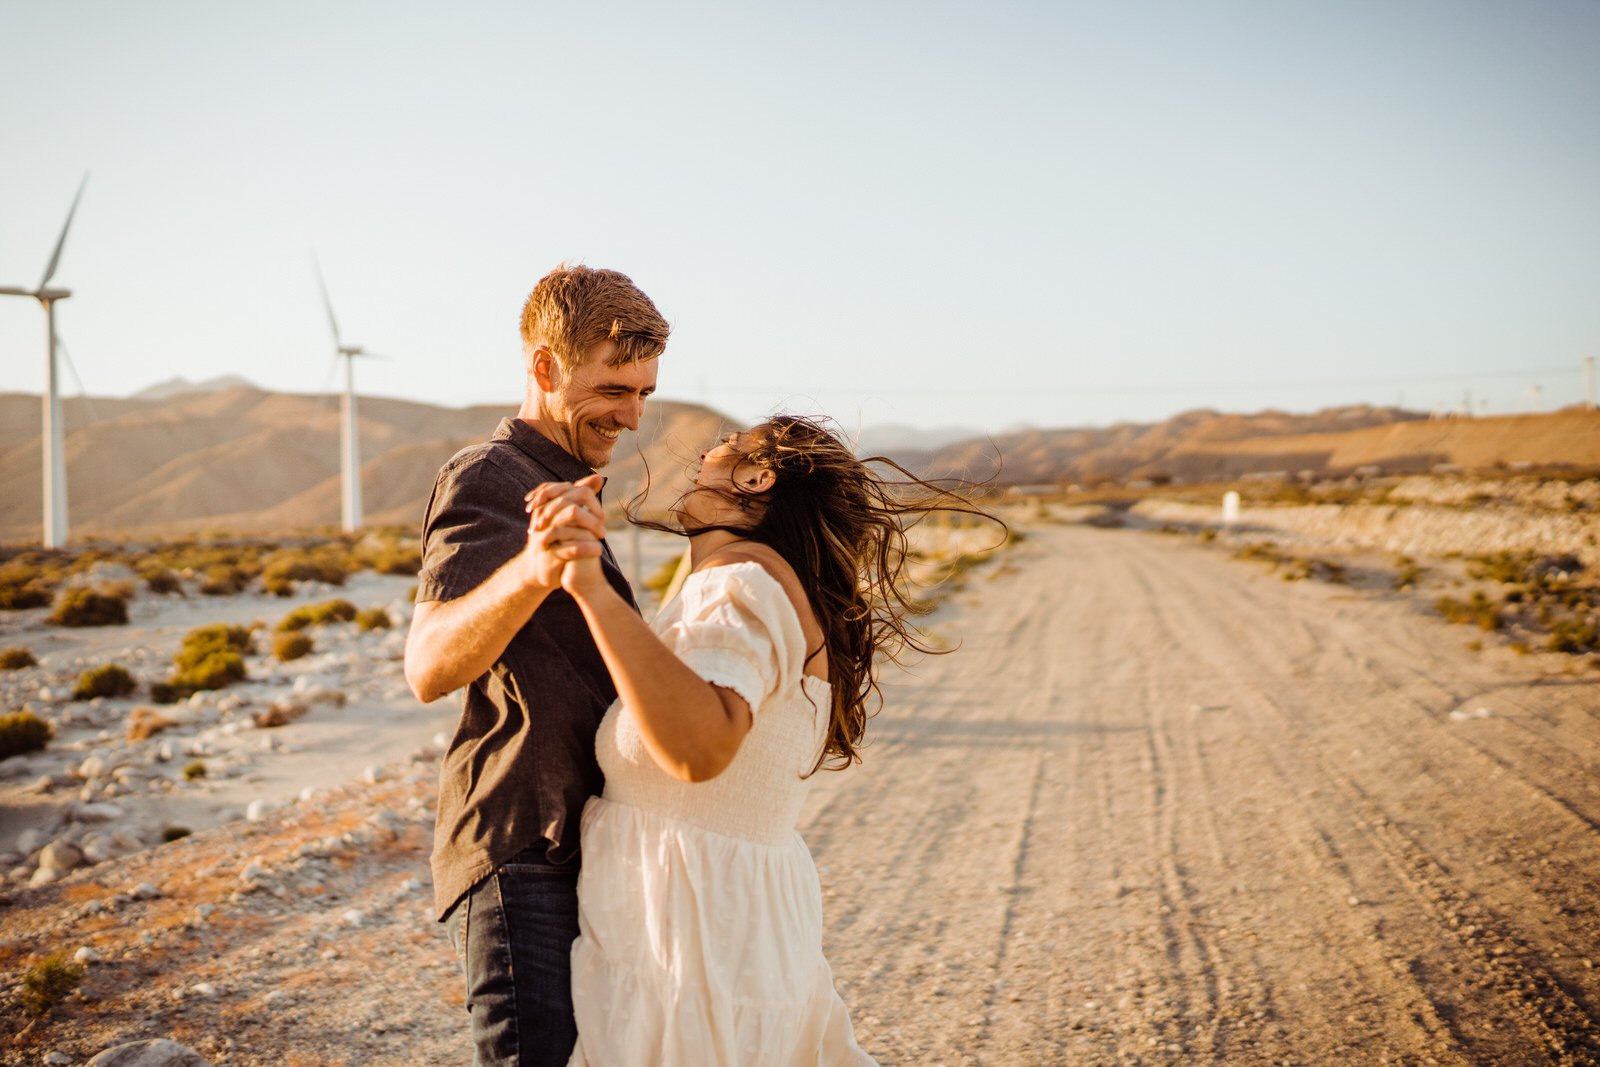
x=55 y=257
x=72 y=368
x=327 y=381
x=326 y=302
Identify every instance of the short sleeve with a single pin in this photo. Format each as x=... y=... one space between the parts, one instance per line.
x=738 y=629
x=475 y=523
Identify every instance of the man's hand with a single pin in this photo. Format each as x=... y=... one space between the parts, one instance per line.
x=565 y=525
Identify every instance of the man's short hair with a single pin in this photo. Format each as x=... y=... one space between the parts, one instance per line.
x=574 y=308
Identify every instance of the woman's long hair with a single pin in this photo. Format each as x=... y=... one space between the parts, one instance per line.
x=842 y=526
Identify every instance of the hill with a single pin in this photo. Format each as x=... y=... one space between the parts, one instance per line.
x=1211 y=446
x=242 y=459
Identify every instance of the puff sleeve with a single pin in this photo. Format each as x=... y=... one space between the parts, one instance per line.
x=738 y=629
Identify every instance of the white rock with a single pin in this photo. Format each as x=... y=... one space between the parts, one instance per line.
x=154 y=1053
x=86 y=955
x=258 y=809
x=372 y=774
x=99 y=812
x=93 y=767
x=354 y=917
x=45 y=875
x=203 y=989
x=61 y=854
x=57 y=1059
x=411 y=885
x=309 y=793
x=441 y=740
x=166 y=752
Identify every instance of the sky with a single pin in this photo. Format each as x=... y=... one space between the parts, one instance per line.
x=928 y=214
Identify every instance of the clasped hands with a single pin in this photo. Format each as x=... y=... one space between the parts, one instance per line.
x=565 y=526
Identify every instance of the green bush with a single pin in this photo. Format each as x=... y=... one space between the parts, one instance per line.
x=82 y=606
x=22 y=732
x=110 y=680
x=291 y=645
x=329 y=611
x=194 y=769
x=14 y=659
x=373 y=619
x=48 y=982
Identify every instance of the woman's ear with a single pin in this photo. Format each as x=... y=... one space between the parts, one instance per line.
x=756 y=479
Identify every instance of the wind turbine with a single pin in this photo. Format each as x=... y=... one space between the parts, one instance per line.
x=349 y=444
x=55 y=461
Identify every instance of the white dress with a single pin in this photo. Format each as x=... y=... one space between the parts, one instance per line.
x=699 y=909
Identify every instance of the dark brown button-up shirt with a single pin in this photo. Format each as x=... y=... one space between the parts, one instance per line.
x=522 y=763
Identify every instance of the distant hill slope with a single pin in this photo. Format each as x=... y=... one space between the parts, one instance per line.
x=1208 y=446
x=241 y=459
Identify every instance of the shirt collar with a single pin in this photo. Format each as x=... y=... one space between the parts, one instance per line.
x=543 y=451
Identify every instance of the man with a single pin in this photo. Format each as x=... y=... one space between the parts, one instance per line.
x=491 y=616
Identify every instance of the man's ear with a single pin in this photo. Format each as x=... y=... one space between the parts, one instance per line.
x=544 y=369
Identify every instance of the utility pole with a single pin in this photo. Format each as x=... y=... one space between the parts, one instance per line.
x=1533 y=395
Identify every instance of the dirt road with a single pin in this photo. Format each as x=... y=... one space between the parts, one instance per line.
x=1163 y=807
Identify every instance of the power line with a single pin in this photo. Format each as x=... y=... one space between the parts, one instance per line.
x=1109 y=390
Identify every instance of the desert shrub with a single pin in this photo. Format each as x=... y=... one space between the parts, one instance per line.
x=393 y=558
x=165 y=693
x=25 y=595
x=82 y=606
x=278 y=586
x=161 y=580
x=14 y=659
x=659 y=581
x=144 y=723
x=1407 y=573
x=329 y=611
x=223 y=579
x=110 y=680
x=373 y=619
x=211 y=657
x=290 y=645
x=194 y=769
x=22 y=732
x=1573 y=637
x=175 y=833
x=48 y=982
x=330 y=563
x=1478 y=610
x=27 y=580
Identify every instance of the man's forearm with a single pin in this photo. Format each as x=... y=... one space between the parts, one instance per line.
x=452 y=642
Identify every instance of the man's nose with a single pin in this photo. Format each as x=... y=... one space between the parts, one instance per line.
x=631 y=412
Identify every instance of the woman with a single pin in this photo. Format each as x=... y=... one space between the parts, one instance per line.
x=699 y=906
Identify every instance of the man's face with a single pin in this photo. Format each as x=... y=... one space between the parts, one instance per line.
x=591 y=406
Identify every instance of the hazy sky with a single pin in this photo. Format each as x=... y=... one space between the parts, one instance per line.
x=985 y=215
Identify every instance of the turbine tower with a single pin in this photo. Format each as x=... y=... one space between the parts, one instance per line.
x=349 y=442
x=55 y=459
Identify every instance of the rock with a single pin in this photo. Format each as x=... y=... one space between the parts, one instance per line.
x=276 y=999
x=156 y=1053
x=253 y=871
x=45 y=875
x=204 y=911
x=372 y=774
x=258 y=809
x=31 y=840
x=61 y=854
x=93 y=767
x=125 y=841
x=309 y=793
x=354 y=917
x=411 y=885
x=45 y=783
x=98 y=849
x=98 y=812
x=167 y=752
x=441 y=740
x=281 y=713
x=203 y=989
x=86 y=955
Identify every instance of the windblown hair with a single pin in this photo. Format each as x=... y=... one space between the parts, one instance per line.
x=841 y=524
x=574 y=308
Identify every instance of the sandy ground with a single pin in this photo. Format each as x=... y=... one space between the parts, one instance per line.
x=1160 y=808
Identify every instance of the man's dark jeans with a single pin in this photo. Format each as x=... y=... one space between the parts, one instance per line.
x=513 y=934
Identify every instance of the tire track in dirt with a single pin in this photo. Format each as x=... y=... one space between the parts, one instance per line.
x=1161 y=809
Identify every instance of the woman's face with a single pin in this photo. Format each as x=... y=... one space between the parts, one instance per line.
x=723 y=474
